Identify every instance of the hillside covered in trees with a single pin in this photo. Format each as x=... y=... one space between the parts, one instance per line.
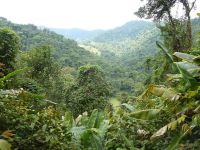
x=132 y=87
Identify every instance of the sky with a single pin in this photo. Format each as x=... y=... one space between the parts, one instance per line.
x=84 y=14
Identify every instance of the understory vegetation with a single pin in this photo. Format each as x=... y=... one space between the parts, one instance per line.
x=55 y=95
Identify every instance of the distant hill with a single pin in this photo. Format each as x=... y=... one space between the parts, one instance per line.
x=128 y=31
x=75 y=33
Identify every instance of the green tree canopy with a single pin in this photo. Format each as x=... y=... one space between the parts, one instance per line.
x=89 y=91
x=9 y=45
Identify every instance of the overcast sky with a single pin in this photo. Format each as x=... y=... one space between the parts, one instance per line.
x=84 y=14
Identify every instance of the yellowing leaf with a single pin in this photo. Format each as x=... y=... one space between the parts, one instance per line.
x=191 y=93
x=150 y=88
x=184 y=60
x=169 y=126
x=8 y=133
x=159 y=132
x=8 y=137
x=185 y=127
x=181 y=119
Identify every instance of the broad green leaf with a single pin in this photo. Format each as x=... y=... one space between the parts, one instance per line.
x=78 y=129
x=129 y=143
x=184 y=56
x=97 y=142
x=103 y=128
x=194 y=72
x=149 y=114
x=14 y=73
x=131 y=108
x=86 y=134
x=196 y=119
x=68 y=118
x=189 y=79
x=4 y=145
x=178 y=137
x=198 y=33
x=167 y=55
x=198 y=14
x=84 y=119
x=98 y=120
x=165 y=51
x=92 y=118
x=187 y=65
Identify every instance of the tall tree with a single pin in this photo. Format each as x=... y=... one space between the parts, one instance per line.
x=9 y=45
x=90 y=91
x=160 y=10
x=188 y=8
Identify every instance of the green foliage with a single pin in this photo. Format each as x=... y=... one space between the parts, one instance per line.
x=91 y=130
x=90 y=91
x=9 y=46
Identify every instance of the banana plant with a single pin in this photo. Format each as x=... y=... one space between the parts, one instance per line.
x=91 y=130
x=187 y=70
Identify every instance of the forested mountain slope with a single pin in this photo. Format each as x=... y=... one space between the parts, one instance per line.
x=128 y=31
x=75 y=33
x=69 y=54
x=65 y=51
x=121 y=57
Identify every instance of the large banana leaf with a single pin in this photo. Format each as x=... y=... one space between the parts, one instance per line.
x=164 y=92
x=187 y=65
x=187 y=57
x=131 y=108
x=189 y=79
x=103 y=128
x=84 y=119
x=78 y=129
x=92 y=119
x=14 y=73
x=69 y=118
x=184 y=56
x=98 y=119
x=149 y=114
x=167 y=55
x=178 y=137
x=165 y=51
x=97 y=142
x=88 y=133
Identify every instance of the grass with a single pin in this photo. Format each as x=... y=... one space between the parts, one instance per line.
x=91 y=49
x=114 y=101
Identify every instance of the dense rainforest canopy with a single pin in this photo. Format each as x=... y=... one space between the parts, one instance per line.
x=133 y=87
